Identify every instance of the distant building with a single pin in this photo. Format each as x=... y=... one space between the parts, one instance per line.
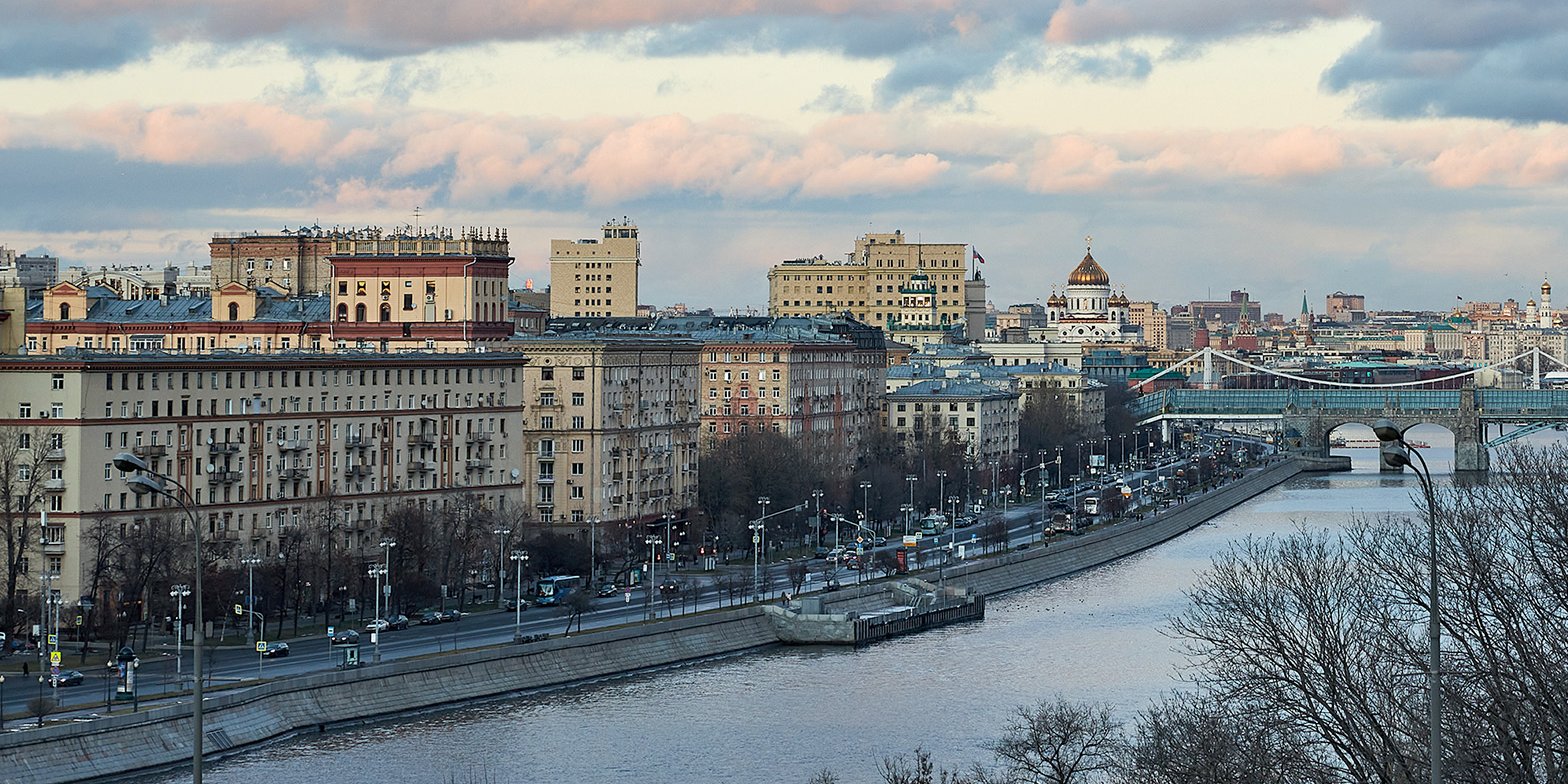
x=146 y=282
x=1345 y=308
x=870 y=284
x=291 y=261
x=979 y=415
x=32 y=273
x=1153 y=322
x=1087 y=311
x=1227 y=311
x=596 y=277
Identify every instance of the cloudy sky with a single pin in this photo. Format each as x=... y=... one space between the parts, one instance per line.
x=1411 y=150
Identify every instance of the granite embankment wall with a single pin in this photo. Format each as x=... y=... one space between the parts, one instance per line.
x=161 y=737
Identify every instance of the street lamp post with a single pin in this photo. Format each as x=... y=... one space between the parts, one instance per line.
x=941 y=488
x=178 y=593
x=386 y=571
x=2 y=702
x=250 y=562
x=757 y=528
x=910 y=479
x=865 y=504
x=519 y=557
x=817 y=525
x=1396 y=452
x=144 y=481
x=377 y=572
x=593 y=549
x=669 y=541
x=500 y=567
x=653 y=565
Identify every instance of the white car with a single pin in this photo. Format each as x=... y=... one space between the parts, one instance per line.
x=377 y=625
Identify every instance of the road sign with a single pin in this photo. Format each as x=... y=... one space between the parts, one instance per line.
x=239 y=609
x=54 y=639
x=54 y=658
x=261 y=647
x=330 y=630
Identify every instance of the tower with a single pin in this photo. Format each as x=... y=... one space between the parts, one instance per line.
x=596 y=277
x=974 y=307
x=1546 y=321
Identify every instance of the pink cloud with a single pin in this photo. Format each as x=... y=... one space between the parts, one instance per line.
x=222 y=133
x=1090 y=21
x=1073 y=162
x=1516 y=158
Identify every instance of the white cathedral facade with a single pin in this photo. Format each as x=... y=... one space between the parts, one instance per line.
x=1087 y=311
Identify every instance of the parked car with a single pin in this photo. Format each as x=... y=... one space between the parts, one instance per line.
x=431 y=617
x=377 y=625
x=345 y=637
x=397 y=623
x=276 y=650
x=511 y=604
x=452 y=615
x=608 y=589
x=68 y=678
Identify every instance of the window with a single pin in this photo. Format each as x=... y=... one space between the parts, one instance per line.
x=578 y=444
x=546 y=374
x=57 y=381
x=546 y=398
x=578 y=398
x=578 y=374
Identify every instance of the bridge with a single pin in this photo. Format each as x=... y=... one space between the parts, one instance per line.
x=1305 y=416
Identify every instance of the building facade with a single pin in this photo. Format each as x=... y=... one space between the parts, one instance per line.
x=596 y=277
x=870 y=283
x=260 y=442
x=979 y=415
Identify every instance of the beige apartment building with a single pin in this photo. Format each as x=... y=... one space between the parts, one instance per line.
x=794 y=382
x=611 y=433
x=596 y=277
x=869 y=283
x=979 y=414
x=1154 y=322
x=259 y=441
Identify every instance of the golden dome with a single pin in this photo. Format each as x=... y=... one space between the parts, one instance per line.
x=1056 y=301
x=1546 y=287
x=1089 y=273
x=1118 y=301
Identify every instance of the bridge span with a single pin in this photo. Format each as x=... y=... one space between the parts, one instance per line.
x=1305 y=416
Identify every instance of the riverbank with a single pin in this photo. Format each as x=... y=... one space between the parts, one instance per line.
x=118 y=746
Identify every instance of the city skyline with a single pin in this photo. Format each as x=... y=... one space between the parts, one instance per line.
x=1276 y=148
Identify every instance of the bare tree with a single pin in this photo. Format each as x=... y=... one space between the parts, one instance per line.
x=796 y=572
x=1059 y=742
x=22 y=475
x=1190 y=737
x=577 y=603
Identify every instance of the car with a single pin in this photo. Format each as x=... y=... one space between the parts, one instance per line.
x=879 y=541
x=397 y=623
x=275 y=650
x=452 y=615
x=377 y=625
x=608 y=589
x=511 y=604
x=345 y=637
x=670 y=587
x=431 y=617
x=821 y=552
x=67 y=678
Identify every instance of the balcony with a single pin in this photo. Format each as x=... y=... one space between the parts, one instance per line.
x=479 y=436
x=357 y=442
x=420 y=466
x=546 y=454
x=292 y=445
x=54 y=455
x=150 y=450
x=546 y=479
x=478 y=465
x=421 y=439
x=296 y=473
x=223 y=477
x=223 y=447
x=54 y=485
x=357 y=470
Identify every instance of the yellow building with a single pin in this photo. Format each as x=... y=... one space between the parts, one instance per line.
x=596 y=277
x=870 y=282
x=1154 y=322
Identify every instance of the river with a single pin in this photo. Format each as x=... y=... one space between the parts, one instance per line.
x=783 y=715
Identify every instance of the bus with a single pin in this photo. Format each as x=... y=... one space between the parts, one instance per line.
x=1091 y=505
x=554 y=590
x=933 y=524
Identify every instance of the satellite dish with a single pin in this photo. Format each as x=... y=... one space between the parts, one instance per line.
x=211 y=467
x=516 y=473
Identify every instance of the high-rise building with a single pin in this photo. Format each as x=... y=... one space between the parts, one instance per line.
x=872 y=282
x=596 y=277
x=1345 y=308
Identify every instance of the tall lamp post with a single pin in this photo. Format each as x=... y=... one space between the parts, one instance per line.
x=386 y=571
x=910 y=479
x=653 y=565
x=2 y=702
x=178 y=594
x=144 y=481
x=376 y=573
x=1396 y=452
x=941 y=489
x=865 y=504
x=500 y=566
x=817 y=524
x=250 y=562
x=518 y=557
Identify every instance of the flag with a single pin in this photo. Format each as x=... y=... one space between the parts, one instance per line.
x=979 y=257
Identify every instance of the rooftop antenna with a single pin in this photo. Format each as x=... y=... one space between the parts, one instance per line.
x=416 y=219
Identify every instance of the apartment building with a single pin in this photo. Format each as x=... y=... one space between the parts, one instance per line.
x=596 y=277
x=611 y=431
x=388 y=292
x=260 y=440
x=870 y=284
x=792 y=381
x=976 y=413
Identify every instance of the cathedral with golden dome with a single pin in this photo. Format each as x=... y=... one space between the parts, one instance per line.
x=1087 y=311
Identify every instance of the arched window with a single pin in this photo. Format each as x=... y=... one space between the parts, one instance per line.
x=342 y=312
x=65 y=311
x=359 y=312
x=234 y=311
x=386 y=312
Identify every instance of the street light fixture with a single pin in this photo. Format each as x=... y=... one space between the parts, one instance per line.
x=250 y=562
x=911 y=479
x=376 y=573
x=178 y=594
x=653 y=566
x=1396 y=452
x=145 y=481
x=865 y=504
x=386 y=571
x=518 y=557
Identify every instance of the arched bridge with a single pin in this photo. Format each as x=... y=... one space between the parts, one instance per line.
x=1306 y=416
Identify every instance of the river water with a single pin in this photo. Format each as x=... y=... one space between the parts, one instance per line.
x=783 y=715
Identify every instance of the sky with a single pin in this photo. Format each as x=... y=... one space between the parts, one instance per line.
x=1413 y=151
